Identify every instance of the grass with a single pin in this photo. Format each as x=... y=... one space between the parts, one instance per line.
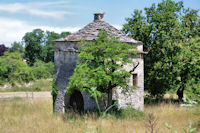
x=38 y=85
x=35 y=116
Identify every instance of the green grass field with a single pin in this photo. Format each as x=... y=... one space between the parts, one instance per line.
x=35 y=116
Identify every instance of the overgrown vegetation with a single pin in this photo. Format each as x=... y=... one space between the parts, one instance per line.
x=54 y=92
x=101 y=67
x=13 y=69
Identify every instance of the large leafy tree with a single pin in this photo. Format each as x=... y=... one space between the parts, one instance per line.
x=17 y=47
x=40 y=45
x=33 y=47
x=189 y=67
x=100 y=68
x=48 y=49
x=163 y=28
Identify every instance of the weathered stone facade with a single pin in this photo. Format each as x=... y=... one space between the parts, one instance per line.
x=65 y=61
x=134 y=98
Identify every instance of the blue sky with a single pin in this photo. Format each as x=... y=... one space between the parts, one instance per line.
x=20 y=16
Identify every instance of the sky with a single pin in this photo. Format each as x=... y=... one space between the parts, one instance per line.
x=20 y=16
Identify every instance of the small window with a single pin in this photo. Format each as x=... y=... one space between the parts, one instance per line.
x=134 y=79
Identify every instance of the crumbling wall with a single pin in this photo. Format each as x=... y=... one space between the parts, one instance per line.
x=65 y=58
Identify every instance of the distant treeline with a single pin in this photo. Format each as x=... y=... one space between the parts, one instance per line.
x=30 y=59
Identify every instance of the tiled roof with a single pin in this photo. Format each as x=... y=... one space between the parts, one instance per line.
x=90 y=32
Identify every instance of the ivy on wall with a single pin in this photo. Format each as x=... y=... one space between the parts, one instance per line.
x=54 y=92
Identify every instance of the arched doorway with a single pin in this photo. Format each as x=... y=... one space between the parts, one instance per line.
x=76 y=101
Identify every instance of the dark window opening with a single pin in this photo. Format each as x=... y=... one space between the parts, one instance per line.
x=134 y=79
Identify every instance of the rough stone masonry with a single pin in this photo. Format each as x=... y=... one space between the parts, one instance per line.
x=65 y=61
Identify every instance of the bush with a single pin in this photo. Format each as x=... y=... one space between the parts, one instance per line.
x=43 y=70
x=14 y=69
x=127 y=113
x=130 y=113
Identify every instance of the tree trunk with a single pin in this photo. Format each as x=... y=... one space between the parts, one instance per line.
x=109 y=98
x=180 y=92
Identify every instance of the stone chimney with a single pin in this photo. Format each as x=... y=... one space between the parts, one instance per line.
x=98 y=16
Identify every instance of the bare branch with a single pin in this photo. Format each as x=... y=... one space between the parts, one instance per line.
x=134 y=67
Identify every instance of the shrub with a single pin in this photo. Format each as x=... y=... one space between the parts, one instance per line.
x=130 y=113
x=14 y=69
x=43 y=70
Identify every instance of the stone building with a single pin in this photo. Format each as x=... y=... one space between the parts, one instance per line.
x=65 y=61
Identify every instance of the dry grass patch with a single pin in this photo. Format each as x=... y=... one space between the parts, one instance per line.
x=36 y=116
x=38 y=85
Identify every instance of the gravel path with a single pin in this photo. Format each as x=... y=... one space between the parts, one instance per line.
x=45 y=94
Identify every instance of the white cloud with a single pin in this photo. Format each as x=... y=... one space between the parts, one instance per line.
x=54 y=14
x=13 y=30
x=11 y=7
x=36 y=8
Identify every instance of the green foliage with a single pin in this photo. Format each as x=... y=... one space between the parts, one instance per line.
x=130 y=113
x=17 y=47
x=14 y=69
x=94 y=94
x=43 y=70
x=101 y=65
x=33 y=47
x=40 y=45
x=168 y=32
x=54 y=92
x=48 y=48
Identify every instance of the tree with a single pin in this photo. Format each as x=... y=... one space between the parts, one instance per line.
x=17 y=47
x=48 y=50
x=40 y=45
x=100 y=68
x=163 y=28
x=64 y=34
x=190 y=25
x=33 y=47
x=189 y=66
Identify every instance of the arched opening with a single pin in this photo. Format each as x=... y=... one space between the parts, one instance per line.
x=76 y=101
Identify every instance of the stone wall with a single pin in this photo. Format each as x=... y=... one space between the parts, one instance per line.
x=135 y=97
x=65 y=58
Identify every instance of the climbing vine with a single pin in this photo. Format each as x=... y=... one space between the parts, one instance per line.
x=54 y=92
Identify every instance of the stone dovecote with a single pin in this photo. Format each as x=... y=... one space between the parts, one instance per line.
x=65 y=61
